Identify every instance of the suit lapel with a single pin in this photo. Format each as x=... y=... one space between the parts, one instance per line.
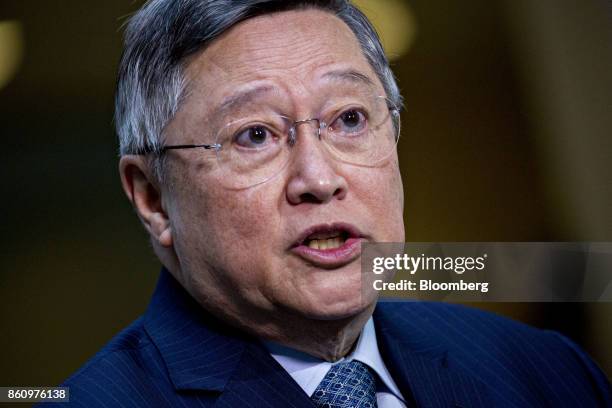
x=199 y=352
x=420 y=364
x=259 y=381
x=203 y=354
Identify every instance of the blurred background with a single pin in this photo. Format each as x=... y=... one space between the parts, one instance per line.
x=507 y=136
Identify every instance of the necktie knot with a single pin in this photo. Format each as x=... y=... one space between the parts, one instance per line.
x=347 y=384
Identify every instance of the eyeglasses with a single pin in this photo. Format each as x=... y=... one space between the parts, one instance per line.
x=361 y=129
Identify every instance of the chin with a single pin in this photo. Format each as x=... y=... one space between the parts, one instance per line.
x=336 y=306
x=332 y=295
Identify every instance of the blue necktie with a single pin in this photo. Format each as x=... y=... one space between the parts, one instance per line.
x=347 y=385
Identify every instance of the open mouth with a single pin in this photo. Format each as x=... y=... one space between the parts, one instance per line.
x=330 y=236
x=329 y=245
x=329 y=240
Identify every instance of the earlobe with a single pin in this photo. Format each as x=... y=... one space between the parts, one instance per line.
x=161 y=230
x=165 y=238
x=145 y=196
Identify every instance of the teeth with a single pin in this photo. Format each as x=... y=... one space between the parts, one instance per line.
x=329 y=243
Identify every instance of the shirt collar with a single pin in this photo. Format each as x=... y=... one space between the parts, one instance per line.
x=309 y=371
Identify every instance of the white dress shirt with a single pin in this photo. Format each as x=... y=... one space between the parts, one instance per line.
x=309 y=371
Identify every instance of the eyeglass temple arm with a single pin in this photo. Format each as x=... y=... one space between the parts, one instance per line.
x=213 y=146
x=147 y=150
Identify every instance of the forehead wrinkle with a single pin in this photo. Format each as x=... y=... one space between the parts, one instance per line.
x=261 y=56
x=271 y=67
x=260 y=46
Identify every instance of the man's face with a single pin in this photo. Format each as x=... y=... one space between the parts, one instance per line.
x=244 y=253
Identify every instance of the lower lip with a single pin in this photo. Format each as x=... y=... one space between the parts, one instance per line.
x=333 y=257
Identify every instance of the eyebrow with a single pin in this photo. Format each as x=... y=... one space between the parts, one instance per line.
x=350 y=75
x=242 y=98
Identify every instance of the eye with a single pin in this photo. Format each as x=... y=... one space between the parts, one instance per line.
x=255 y=137
x=350 y=121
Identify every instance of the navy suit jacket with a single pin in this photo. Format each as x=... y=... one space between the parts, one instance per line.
x=440 y=355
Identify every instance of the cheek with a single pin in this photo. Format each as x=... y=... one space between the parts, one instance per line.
x=203 y=207
x=381 y=188
x=227 y=229
x=218 y=241
x=381 y=191
x=249 y=216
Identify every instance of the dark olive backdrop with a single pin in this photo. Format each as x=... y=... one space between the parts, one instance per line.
x=505 y=138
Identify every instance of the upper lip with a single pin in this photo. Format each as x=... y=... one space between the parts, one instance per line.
x=348 y=229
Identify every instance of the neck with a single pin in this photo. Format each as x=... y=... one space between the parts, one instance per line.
x=329 y=340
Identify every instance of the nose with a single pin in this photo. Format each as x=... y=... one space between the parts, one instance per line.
x=314 y=176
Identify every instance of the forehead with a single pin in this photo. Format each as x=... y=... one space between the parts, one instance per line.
x=293 y=52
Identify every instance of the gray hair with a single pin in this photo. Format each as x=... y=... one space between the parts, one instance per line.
x=163 y=33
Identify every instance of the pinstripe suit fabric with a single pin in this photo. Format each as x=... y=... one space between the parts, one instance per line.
x=439 y=355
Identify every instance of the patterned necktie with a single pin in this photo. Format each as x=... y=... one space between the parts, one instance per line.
x=347 y=385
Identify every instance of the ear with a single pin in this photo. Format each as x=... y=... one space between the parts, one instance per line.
x=145 y=195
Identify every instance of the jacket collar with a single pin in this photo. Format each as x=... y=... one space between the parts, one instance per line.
x=199 y=351
x=422 y=364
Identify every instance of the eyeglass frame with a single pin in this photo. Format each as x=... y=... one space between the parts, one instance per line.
x=395 y=112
